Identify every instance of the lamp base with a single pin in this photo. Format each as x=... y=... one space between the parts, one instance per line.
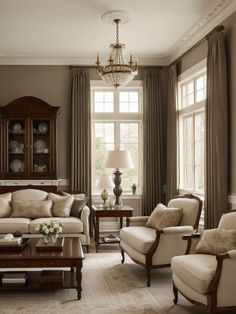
x=117 y=189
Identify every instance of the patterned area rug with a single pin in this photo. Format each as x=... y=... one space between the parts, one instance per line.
x=108 y=287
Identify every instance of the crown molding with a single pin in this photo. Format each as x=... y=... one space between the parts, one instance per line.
x=215 y=15
x=71 y=60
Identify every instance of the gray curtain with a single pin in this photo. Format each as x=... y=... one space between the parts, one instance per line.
x=152 y=141
x=171 y=186
x=81 y=132
x=216 y=130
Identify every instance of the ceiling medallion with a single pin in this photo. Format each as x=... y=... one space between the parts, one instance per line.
x=117 y=71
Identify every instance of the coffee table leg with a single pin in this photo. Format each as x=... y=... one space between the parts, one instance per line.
x=78 y=279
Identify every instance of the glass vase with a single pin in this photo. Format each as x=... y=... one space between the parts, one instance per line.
x=50 y=238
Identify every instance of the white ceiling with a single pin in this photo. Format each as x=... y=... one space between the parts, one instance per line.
x=71 y=31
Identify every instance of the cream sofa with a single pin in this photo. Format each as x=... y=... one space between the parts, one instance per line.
x=72 y=226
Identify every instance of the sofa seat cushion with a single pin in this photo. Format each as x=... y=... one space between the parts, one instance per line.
x=196 y=270
x=29 y=195
x=140 y=238
x=70 y=224
x=11 y=225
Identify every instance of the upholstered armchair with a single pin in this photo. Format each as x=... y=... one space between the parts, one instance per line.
x=154 y=248
x=205 y=279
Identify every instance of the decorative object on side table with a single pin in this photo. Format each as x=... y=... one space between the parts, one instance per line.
x=105 y=182
x=50 y=230
x=118 y=159
x=134 y=188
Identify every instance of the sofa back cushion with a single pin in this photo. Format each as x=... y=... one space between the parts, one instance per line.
x=29 y=195
x=61 y=204
x=5 y=207
x=32 y=209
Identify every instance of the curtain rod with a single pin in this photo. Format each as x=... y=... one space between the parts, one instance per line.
x=218 y=28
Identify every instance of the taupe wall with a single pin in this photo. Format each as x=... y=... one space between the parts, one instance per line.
x=50 y=83
x=196 y=56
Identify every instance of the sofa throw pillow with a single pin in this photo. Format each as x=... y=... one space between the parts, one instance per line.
x=216 y=241
x=77 y=206
x=163 y=217
x=61 y=204
x=31 y=209
x=5 y=207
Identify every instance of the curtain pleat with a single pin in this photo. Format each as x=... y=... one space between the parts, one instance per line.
x=152 y=141
x=216 y=187
x=171 y=186
x=81 y=132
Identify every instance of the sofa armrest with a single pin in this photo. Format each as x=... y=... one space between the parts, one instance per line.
x=178 y=230
x=137 y=220
x=85 y=212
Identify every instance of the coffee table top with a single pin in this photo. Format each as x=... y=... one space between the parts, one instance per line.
x=72 y=250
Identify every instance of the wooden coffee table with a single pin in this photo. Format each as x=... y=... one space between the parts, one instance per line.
x=71 y=256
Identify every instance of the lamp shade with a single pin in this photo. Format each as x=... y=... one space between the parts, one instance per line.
x=119 y=159
x=105 y=182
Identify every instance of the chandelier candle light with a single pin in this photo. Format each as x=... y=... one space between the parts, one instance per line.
x=118 y=159
x=117 y=70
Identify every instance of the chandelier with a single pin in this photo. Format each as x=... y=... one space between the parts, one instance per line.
x=117 y=71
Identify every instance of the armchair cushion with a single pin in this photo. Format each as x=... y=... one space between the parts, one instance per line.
x=163 y=217
x=196 y=270
x=140 y=238
x=216 y=241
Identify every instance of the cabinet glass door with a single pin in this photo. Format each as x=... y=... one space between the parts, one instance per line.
x=41 y=149
x=16 y=146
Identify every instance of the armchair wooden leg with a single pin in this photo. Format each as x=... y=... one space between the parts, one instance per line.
x=175 y=291
x=148 y=270
x=123 y=256
x=87 y=248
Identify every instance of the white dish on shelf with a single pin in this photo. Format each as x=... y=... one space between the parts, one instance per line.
x=43 y=127
x=39 y=146
x=16 y=127
x=13 y=145
x=17 y=165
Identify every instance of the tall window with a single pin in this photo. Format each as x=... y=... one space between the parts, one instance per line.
x=116 y=124
x=191 y=116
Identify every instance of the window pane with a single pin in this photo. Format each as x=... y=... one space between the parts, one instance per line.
x=200 y=83
x=200 y=95
x=129 y=140
x=129 y=101
x=103 y=102
x=102 y=142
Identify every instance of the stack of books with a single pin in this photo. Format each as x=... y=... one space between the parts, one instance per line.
x=111 y=238
x=15 y=277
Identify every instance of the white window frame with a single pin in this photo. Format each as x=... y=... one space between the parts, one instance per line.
x=190 y=75
x=117 y=118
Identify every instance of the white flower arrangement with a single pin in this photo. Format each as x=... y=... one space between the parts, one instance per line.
x=52 y=227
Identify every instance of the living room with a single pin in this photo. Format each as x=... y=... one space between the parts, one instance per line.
x=62 y=116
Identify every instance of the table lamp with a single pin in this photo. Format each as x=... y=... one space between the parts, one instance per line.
x=105 y=182
x=117 y=159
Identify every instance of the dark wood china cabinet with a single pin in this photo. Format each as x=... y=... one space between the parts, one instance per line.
x=28 y=140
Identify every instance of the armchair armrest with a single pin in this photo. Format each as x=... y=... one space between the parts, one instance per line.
x=178 y=230
x=193 y=240
x=191 y=236
x=232 y=254
x=137 y=220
